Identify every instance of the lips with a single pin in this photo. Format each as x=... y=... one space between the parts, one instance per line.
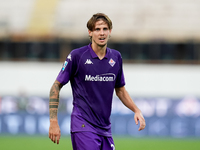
x=101 y=39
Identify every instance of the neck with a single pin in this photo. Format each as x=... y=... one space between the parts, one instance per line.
x=99 y=50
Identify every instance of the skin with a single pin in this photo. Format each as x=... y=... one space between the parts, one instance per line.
x=100 y=36
x=54 y=129
x=128 y=102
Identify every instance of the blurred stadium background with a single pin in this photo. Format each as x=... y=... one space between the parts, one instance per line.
x=160 y=44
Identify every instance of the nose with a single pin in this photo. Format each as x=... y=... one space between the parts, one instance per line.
x=102 y=32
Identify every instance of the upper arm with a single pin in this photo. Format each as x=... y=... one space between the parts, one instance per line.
x=55 y=89
x=59 y=84
x=68 y=69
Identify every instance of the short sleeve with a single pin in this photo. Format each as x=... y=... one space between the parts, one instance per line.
x=68 y=69
x=120 y=81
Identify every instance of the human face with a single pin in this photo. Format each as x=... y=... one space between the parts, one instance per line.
x=100 y=34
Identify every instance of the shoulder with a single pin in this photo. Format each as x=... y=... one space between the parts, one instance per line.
x=115 y=53
x=77 y=53
x=80 y=50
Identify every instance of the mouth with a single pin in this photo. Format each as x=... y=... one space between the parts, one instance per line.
x=102 y=39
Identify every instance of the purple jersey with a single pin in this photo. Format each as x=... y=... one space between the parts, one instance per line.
x=93 y=82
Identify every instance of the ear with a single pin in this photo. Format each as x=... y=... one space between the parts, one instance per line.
x=90 y=33
x=110 y=32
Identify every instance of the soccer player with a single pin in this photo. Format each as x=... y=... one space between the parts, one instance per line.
x=94 y=72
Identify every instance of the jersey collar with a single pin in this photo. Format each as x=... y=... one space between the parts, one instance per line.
x=94 y=55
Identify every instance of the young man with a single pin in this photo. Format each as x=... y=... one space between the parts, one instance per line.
x=94 y=71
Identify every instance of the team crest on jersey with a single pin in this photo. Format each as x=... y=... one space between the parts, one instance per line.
x=64 y=65
x=112 y=62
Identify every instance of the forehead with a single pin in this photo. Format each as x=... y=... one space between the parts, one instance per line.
x=101 y=23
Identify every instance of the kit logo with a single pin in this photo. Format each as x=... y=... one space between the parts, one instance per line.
x=69 y=57
x=113 y=146
x=112 y=62
x=88 y=61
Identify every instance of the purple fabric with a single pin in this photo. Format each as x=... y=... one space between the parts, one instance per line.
x=91 y=141
x=79 y=124
x=93 y=82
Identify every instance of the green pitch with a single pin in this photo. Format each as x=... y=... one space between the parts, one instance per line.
x=121 y=143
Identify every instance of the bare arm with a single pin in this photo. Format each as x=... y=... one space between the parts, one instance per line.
x=128 y=102
x=54 y=100
x=54 y=129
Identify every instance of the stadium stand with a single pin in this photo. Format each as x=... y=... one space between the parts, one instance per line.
x=144 y=31
x=14 y=16
x=41 y=20
x=146 y=20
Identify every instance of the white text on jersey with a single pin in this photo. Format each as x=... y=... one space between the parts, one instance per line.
x=103 y=77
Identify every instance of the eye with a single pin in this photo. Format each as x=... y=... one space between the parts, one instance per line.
x=105 y=29
x=97 y=29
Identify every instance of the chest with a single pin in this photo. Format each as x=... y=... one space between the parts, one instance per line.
x=94 y=66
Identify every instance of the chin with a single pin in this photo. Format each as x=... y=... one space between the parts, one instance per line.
x=102 y=44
